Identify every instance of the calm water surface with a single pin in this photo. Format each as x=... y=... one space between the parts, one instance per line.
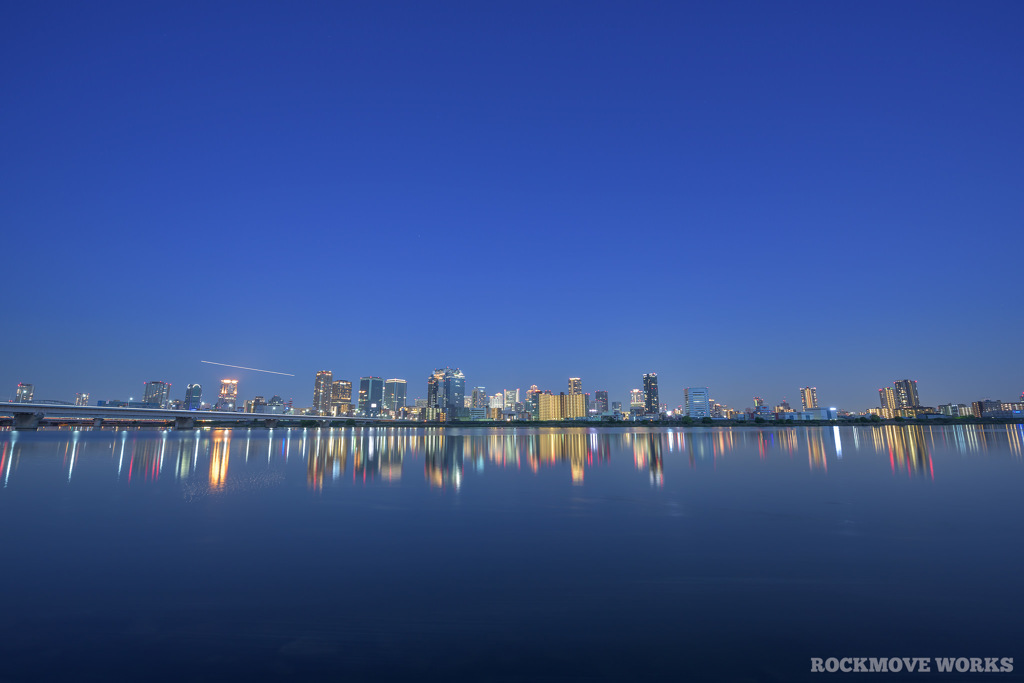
x=511 y=554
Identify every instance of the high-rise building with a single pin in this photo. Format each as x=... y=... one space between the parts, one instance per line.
x=887 y=398
x=435 y=389
x=511 y=399
x=25 y=393
x=455 y=393
x=549 y=407
x=601 y=401
x=906 y=393
x=809 y=398
x=575 y=385
x=193 y=397
x=651 y=404
x=636 y=399
x=371 y=396
x=480 y=399
x=758 y=402
x=341 y=397
x=157 y=393
x=322 y=388
x=572 y=406
x=697 y=402
x=394 y=394
x=82 y=399
x=228 y=395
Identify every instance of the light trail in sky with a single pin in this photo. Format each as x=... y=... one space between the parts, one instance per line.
x=242 y=367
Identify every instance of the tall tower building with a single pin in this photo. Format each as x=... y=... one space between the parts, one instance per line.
x=480 y=398
x=651 y=404
x=455 y=392
x=82 y=399
x=394 y=394
x=193 y=397
x=322 y=388
x=228 y=395
x=697 y=402
x=601 y=401
x=906 y=393
x=25 y=393
x=341 y=397
x=887 y=398
x=636 y=399
x=809 y=397
x=435 y=387
x=511 y=399
x=575 y=385
x=371 y=396
x=157 y=392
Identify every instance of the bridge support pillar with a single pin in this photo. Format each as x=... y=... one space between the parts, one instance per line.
x=184 y=423
x=270 y=423
x=97 y=423
x=27 y=422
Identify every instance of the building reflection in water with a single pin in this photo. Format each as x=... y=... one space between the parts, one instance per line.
x=379 y=454
x=220 y=454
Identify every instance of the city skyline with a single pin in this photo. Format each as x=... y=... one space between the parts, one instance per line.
x=328 y=393
x=788 y=159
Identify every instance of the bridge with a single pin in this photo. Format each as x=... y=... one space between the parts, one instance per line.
x=29 y=416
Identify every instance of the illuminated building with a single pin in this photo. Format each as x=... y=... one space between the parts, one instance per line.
x=758 y=401
x=81 y=399
x=394 y=394
x=651 y=404
x=511 y=399
x=25 y=393
x=371 y=396
x=228 y=395
x=549 y=407
x=887 y=399
x=455 y=393
x=322 y=388
x=575 y=385
x=572 y=406
x=479 y=399
x=906 y=393
x=601 y=401
x=697 y=402
x=435 y=387
x=636 y=399
x=193 y=397
x=446 y=393
x=157 y=393
x=809 y=397
x=341 y=397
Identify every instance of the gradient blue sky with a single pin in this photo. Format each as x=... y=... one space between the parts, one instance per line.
x=749 y=196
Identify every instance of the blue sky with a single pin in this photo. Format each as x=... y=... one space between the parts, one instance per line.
x=747 y=196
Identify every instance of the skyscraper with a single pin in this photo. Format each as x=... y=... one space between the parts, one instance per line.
x=228 y=395
x=455 y=393
x=809 y=397
x=511 y=399
x=697 y=402
x=480 y=398
x=341 y=397
x=157 y=393
x=25 y=393
x=394 y=394
x=371 y=396
x=193 y=397
x=435 y=387
x=651 y=404
x=322 y=388
x=82 y=399
x=887 y=399
x=636 y=399
x=906 y=393
x=601 y=400
x=575 y=385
